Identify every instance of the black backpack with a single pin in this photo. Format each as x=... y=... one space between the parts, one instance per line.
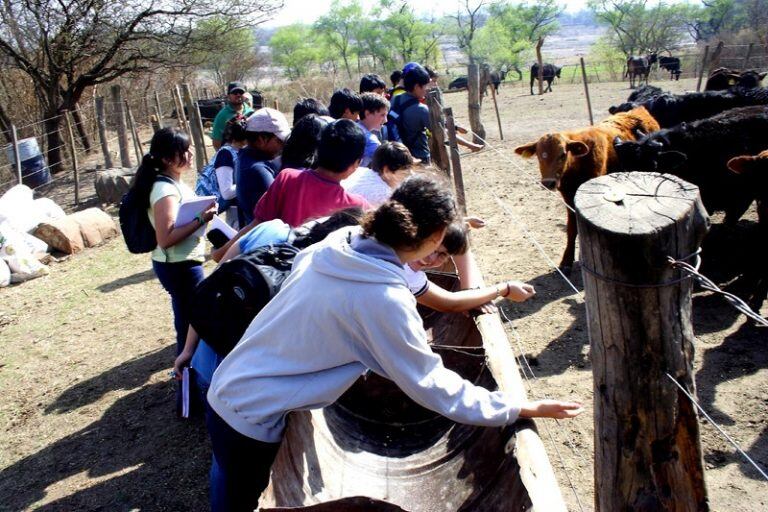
x=225 y=303
x=138 y=233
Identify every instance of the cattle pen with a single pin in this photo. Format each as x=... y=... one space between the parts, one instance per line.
x=94 y=436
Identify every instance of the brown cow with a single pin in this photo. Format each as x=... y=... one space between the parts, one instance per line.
x=568 y=159
x=755 y=170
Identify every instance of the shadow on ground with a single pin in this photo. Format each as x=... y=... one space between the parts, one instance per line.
x=150 y=460
x=137 y=278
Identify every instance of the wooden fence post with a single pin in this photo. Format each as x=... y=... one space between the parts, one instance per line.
x=16 y=155
x=181 y=115
x=122 y=136
x=745 y=66
x=714 y=62
x=539 y=44
x=473 y=95
x=159 y=108
x=276 y=104
x=196 y=126
x=154 y=119
x=647 y=450
x=703 y=68
x=458 y=177
x=102 y=125
x=496 y=108
x=134 y=133
x=73 y=154
x=437 y=150
x=586 y=90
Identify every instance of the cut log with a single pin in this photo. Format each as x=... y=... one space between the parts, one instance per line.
x=73 y=233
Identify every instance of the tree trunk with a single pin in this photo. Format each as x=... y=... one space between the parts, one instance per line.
x=346 y=65
x=5 y=125
x=85 y=139
x=53 y=152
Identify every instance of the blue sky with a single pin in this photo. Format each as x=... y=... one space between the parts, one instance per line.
x=307 y=11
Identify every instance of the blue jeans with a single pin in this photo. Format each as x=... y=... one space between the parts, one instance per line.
x=179 y=280
x=240 y=467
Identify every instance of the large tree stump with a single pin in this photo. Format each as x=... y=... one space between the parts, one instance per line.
x=71 y=234
x=647 y=451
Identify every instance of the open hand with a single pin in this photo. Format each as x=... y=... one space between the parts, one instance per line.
x=551 y=409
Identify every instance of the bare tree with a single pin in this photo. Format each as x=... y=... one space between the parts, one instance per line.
x=65 y=46
x=469 y=16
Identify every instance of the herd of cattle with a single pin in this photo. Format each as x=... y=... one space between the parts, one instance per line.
x=716 y=139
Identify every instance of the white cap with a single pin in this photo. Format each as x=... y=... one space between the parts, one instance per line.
x=271 y=121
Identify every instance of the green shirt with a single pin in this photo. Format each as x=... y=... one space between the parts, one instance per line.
x=191 y=248
x=223 y=117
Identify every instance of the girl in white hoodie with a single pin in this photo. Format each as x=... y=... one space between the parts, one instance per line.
x=346 y=308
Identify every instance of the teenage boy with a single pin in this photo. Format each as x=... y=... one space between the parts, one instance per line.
x=297 y=196
x=412 y=115
x=345 y=104
x=373 y=83
x=265 y=134
x=235 y=105
x=372 y=118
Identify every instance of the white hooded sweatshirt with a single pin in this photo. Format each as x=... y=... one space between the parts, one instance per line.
x=345 y=308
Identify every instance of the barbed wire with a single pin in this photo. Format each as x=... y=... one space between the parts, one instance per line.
x=706 y=283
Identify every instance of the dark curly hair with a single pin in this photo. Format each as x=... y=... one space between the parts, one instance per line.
x=417 y=209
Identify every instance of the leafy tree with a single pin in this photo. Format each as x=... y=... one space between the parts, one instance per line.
x=638 y=28
x=512 y=30
x=294 y=48
x=66 y=46
x=411 y=38
x=338 y=28
x=231 y=53
x=468 y=19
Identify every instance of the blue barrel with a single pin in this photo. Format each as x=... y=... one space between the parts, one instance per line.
x=34 y=172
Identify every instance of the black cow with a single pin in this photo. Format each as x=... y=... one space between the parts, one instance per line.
x=722 y=79
x=672 y=109
x=698 y=152
x=496 y=78
x=639 y=66
x=671 y=64
x=458 y=83
x=210 y=107
x=549 y=72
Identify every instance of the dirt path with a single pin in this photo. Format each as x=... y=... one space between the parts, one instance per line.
x=86 y=415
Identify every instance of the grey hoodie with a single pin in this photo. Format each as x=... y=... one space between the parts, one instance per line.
x=345 y=308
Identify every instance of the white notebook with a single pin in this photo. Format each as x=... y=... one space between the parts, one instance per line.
x=191 y=207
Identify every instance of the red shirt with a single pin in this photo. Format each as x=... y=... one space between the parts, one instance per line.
x=298 y=196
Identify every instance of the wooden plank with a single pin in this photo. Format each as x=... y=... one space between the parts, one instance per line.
x=437 y=150
x=16 y=156
x=703 y=68
x=473 y=97
x=122 y=135
x=540 y=60
x=586 y=90
x=458 y=177
x=134 y=133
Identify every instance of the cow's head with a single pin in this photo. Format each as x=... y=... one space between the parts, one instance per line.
x=646 y=155
x=555 y=152
x=653 y=57
x=558 y=69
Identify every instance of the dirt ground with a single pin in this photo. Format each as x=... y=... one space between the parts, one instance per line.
x=86 y=415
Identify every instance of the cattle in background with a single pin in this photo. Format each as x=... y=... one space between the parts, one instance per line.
x=672 y=109
x=568 y=159
x=698 y=153
x=671 y=64
x=549 y=72
x=496 y=78
x=458 y=83
x=754 y=169
x=722 y=79
x=639 y=67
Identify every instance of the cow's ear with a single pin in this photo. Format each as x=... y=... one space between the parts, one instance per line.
x=740 y=164
x=526 y=150
x=762 y=75
x=577 y=148
x=669 y=160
